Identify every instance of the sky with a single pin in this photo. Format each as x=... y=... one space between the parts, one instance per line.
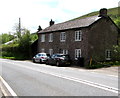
x=39 y=12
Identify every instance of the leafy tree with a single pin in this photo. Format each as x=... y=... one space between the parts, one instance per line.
x=6 y=37
x=24 y=44
x=16 y=28
x=117 y=52
x=117 y=22
x=34 y=37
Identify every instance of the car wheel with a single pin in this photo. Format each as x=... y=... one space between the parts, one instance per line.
x=33 y=60
x=47 y=62
x=40 y=61
x=58 y=63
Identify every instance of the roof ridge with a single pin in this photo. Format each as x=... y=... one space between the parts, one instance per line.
x=77 y=19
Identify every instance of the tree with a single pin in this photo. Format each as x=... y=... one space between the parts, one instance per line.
x=16 y=28
x=117 y=22
x=6 y=37
x=24 y=44
x=117 y=52
x=34 y=37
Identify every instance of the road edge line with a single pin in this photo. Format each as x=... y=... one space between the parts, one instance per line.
x=10 y=90
x=104 y=87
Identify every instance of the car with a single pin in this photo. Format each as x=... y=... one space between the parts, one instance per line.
x=40 y=57
x=59 y=59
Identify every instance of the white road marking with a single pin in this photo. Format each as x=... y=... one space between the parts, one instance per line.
x=97 y=85
x=8 y=88
x=113 y=75
x=54 y=67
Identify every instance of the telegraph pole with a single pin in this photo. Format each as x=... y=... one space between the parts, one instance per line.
x=20 y=29
x=19 y=25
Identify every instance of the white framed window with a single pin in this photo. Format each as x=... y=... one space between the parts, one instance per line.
x=77 y=53
x=108 y=54
x=50 y=51
x=43 y=38
x=78 y=35
x=62 y=36
x=65 y=51
x=42 y=50
x=51 y=37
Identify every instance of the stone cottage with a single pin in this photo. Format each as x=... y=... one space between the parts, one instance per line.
x=91 y=37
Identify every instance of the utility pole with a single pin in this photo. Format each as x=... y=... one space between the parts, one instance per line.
x=19 y=25
x=20 y=29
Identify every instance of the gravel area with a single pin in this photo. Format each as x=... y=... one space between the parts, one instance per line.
x=114 y=70
x=108 y=70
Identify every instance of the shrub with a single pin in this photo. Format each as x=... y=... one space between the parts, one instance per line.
x=94 y=65
x=116 y=52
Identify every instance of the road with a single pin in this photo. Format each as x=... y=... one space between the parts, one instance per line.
x=34 y=79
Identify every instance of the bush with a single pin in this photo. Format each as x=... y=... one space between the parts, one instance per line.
x=116 y=52
x=16 y=52
x=94 y=65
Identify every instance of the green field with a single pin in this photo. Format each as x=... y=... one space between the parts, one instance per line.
x=114 y=13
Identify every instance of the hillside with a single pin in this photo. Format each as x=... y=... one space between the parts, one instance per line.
x=112 y=12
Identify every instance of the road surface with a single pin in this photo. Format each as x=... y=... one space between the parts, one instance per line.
x=34 y=79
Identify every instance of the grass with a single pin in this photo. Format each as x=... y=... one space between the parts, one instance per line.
x=8 y=57
x=112 y=12
x=14 y=57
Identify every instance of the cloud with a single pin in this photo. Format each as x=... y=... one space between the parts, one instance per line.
x=39 y=12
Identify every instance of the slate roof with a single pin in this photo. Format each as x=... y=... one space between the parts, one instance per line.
x=71 y=24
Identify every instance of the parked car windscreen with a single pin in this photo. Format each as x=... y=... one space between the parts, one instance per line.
x=64 y=56
x=42 y=55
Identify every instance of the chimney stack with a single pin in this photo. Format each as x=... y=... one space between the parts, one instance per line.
x=51 y=22
x=103 y=12
x=39 y=28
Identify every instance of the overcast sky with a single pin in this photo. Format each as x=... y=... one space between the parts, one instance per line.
x=39 y=12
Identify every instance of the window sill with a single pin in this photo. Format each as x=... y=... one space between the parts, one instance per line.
x=108 y=58
x=78 y=40
x=62 y=41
